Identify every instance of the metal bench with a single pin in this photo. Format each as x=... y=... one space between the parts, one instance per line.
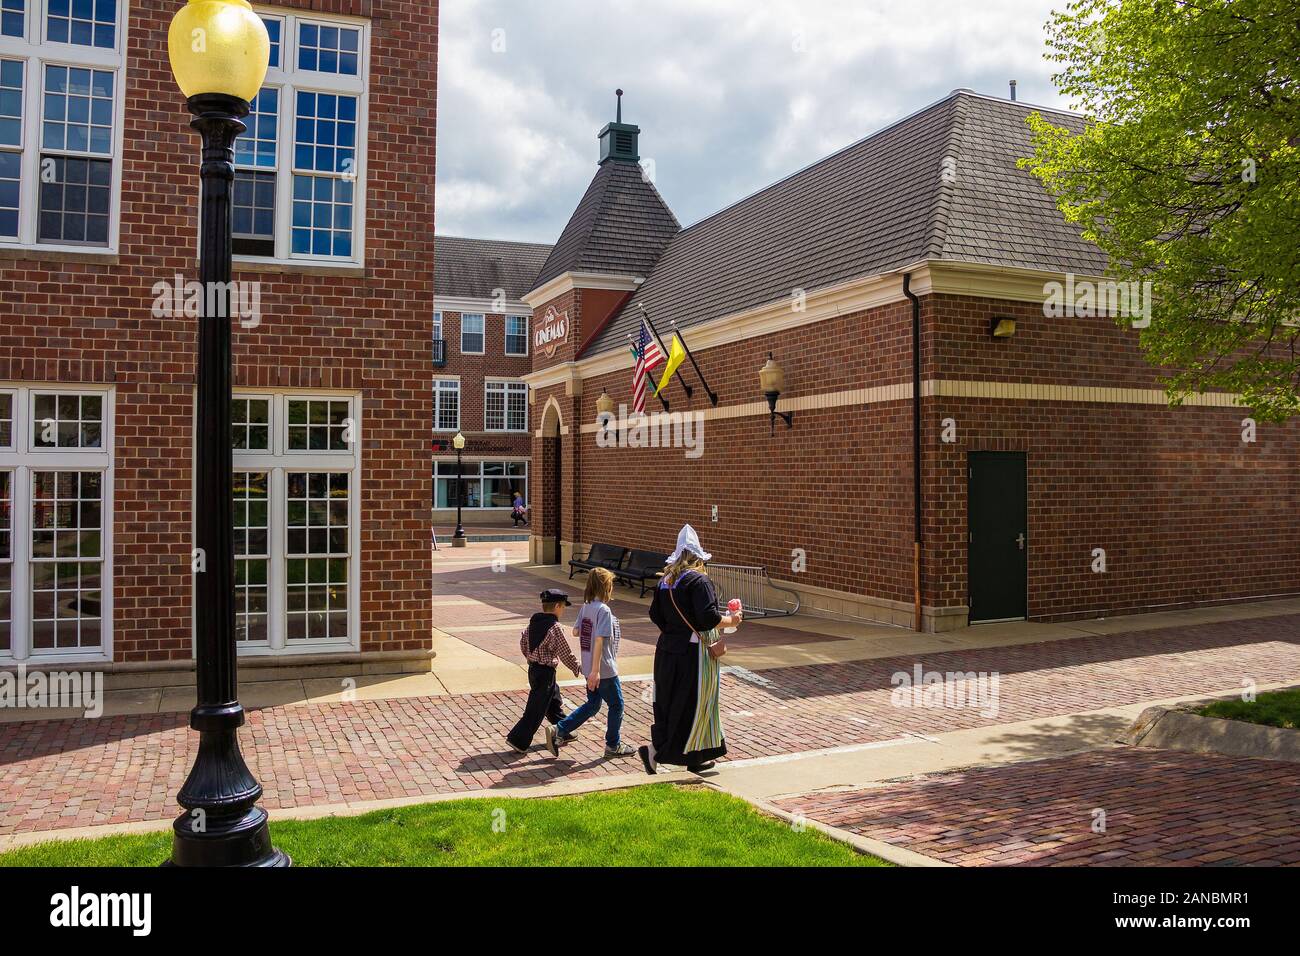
x=643 y=569
x=600 y=556
x=760 y=597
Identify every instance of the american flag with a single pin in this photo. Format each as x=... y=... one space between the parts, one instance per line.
x=648 y=356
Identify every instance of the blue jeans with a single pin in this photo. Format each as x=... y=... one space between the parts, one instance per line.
x=611 y=692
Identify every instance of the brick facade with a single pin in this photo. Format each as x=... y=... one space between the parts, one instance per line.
x=86 y=318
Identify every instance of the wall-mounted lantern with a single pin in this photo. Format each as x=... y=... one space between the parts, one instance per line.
x=605 y=420
x=772 y=380
x=1002 y=327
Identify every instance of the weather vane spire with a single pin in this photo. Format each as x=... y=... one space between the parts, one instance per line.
x=619 y=116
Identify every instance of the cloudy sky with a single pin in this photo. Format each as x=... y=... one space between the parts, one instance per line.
x=730 y=95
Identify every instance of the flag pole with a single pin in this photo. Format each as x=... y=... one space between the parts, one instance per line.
x=662 y=401
x=645 y=314
x=713 y=398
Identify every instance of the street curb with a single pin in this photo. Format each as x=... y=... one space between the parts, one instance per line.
x=560 y=788
x=886 y=851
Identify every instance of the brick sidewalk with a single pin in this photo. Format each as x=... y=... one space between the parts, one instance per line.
x=1162 y=808
x=66 y=773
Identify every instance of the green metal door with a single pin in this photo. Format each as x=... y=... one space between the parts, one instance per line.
x=997 y=568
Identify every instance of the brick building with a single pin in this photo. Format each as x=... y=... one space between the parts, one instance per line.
x=333 y=224
x=1055 y=481
x=481 y=352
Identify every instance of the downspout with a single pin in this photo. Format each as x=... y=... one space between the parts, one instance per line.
x=916 y=444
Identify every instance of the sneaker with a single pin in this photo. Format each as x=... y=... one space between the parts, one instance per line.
x=563 y=739
x=622 y=750
x=515 y=747
x=647 y=759
x=551 y=744
x=700 y=767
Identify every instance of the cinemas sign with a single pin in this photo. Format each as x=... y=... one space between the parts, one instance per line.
x=551 y=332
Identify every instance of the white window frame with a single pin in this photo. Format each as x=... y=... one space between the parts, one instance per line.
x=437 y=325
x=277 y=463
x=289 y=81
x=506 y=386
x=482 y=333
x=22 y=461
x=437 y=402
x=505 y=338
x=37 y=53
x=473 y=471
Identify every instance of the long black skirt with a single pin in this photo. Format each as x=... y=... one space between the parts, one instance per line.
x=676 y=690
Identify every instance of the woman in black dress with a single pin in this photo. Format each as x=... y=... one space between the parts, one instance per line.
x=684 y=604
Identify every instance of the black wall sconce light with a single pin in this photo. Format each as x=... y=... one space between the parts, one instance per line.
x=772 y=379
x=1002 y=327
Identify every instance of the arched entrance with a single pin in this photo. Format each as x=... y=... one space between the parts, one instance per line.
x=551 y=469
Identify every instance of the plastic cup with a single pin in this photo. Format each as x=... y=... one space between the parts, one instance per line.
x=733 y=607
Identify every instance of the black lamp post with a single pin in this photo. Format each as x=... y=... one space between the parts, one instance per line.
x=458 y=538
x=222 y=825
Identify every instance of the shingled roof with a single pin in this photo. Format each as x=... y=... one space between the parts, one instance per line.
x=872 y=207
x=622 y=226
x=474 y=268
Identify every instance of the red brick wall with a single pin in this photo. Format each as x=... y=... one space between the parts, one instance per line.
x=89 y=321
x=473 y=370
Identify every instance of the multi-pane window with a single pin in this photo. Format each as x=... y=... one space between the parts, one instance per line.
x=6 y=560
x=252 y=555
x=11 y=144
x=318 y=424
x=329 y=49
x=516 y=335
x=298 y=189
x=483 y=484
x=505 y=407
x=67 y=560
x=446 y=405
x=295 y=522
x=67 y=420
x=81 y=22
x=60 y=99
x=250 y=424
x=317 y=551
x=55 y=496
x=253 y=201
x=471 y=333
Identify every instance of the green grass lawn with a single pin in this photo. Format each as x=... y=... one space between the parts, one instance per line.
x=1275 y=709
x=655 y=825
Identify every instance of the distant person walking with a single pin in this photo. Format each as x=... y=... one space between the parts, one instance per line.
x=518 y=513
x=687 y=728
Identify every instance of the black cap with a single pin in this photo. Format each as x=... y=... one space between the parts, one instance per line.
x=554 y=596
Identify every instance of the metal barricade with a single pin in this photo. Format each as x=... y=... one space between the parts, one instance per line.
x=755 y=589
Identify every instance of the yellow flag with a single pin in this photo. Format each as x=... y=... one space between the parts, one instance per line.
x=676 y=356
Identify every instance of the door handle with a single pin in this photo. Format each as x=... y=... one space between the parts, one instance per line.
x=1021 y=541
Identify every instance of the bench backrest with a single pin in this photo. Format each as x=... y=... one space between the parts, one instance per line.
x=606 y=554
x=646 y=562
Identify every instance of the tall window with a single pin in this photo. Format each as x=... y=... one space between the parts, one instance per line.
x=505 y=407
x=298 y=173
x=295 y=522
x=471 y=333
x=55 y=507
x=446 y=405
x=516 y=335
x=61 y=68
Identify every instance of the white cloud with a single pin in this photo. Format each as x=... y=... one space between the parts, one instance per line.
x=730 y=95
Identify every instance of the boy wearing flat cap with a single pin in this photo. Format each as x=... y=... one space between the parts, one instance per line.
x=544 y=645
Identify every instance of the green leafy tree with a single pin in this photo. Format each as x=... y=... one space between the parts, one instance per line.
x=1188 y=175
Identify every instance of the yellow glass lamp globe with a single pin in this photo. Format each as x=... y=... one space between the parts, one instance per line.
x=218 y=46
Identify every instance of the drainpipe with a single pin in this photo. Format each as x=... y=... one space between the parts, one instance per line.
x=916 y=443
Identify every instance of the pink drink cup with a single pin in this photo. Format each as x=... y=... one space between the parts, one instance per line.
x=733 y=606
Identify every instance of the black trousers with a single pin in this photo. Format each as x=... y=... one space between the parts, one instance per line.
x=544 y=702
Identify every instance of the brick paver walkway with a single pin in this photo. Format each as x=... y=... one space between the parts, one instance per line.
x=1162 y=808
x=67 y=773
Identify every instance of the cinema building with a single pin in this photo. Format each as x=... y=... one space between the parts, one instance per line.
x=482 y=349
x=333 y=227
x=1034 y=458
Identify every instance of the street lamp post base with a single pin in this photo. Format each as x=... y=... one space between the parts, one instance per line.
x=244 y=841
x=459 y=542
